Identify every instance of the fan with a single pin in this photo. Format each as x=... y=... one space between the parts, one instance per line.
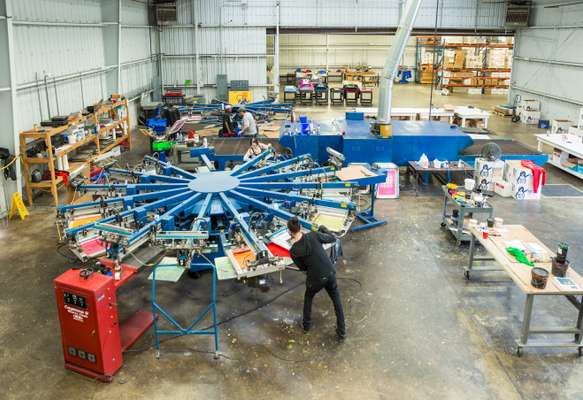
x=491 y=151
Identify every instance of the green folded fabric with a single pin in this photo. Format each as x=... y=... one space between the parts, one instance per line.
x=519 y=256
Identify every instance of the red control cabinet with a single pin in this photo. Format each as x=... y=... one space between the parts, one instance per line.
x=92 y=337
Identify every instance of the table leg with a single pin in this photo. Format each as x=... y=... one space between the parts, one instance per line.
x=579 y=322
x=444 y=211
x=471 y=260
x=526 y=321
x=416 y=183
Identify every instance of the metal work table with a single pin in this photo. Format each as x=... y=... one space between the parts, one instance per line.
x=417 y=171
x=521 y=275
x=456 y=226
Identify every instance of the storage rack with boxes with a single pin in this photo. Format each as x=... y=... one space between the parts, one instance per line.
x=427 y=54
x=98 y=132
x=479 y=65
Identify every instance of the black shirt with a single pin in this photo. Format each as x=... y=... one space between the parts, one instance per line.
x=309 y=255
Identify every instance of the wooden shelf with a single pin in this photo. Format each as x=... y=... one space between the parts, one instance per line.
x=74 y=146
x=475 y=86
x=46 y=135
x=475 y=69
x=117 y=142
x=114 y=124
x=46 y=184
x=481 y=45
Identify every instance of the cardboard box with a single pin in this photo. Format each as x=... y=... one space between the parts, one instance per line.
x=460 y=59
x=503 y=188
x=560 y=125
x=529 y=117
x=530 y=105
x=486 y=172
x=521 y=179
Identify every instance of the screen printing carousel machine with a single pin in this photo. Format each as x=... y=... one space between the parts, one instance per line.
x=354 y=137
x=231 y=223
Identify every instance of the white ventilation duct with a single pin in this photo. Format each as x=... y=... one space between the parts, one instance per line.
x=397 y=50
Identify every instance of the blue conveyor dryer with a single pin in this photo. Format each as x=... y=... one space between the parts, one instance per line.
x=353 y=138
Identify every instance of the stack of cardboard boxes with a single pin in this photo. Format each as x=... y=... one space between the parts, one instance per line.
x=425 y=74
x=506 y=178
x=529 y=111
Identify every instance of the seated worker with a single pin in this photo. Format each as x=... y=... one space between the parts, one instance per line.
x=255 y=149
x=228 y=129
x=309 y=255
x=248 y=124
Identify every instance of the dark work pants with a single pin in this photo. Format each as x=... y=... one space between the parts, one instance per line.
x=332 y=289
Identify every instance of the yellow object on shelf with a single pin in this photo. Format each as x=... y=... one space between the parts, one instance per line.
x=237 y=96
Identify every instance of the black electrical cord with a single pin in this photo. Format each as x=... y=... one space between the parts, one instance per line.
x=244 y=313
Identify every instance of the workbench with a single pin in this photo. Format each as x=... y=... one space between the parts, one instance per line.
x=456 y=225
x=570 y=146
x=521 y=276
x=467 y=114
x=418 y=171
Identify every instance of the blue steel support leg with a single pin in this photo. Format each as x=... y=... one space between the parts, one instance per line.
x=158 y=311
x=367 y=217
x=215 y=326
x=154 y=315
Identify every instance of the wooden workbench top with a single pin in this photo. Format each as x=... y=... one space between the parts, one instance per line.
x=520 y=273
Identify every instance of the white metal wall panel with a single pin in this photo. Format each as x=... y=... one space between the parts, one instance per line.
x=177 y=41
x=310 y=50
x=135 y=44
x=137 y=78
x=177 y=70
x=134 y=12
x=548 y=63
x=184 y=11
x=385 y=14
x=69 y=100
x=232 y=41
x=57 y=10
x=56 y=50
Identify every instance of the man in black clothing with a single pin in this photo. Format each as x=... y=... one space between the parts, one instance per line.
x=309 y=255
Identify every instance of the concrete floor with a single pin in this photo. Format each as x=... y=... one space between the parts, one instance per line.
x=417 y=329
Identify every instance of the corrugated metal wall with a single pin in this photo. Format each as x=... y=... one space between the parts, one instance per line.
x=236 y=47
x=231 y=35
x=309 y=50
x=548 y=61
x=69 y=41
x=341 y=13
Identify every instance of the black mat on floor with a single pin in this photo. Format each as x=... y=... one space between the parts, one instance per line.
x=560 y=190
x=507 y=146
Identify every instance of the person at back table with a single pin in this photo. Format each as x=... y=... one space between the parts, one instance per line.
x=309 y=255
x=248 y=124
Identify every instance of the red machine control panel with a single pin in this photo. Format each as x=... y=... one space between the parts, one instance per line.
x=92 y=337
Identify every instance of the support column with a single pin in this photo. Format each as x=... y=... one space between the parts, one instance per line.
x=119 y=20
x=276 y=53
x=195 y=45
x=8 y=103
